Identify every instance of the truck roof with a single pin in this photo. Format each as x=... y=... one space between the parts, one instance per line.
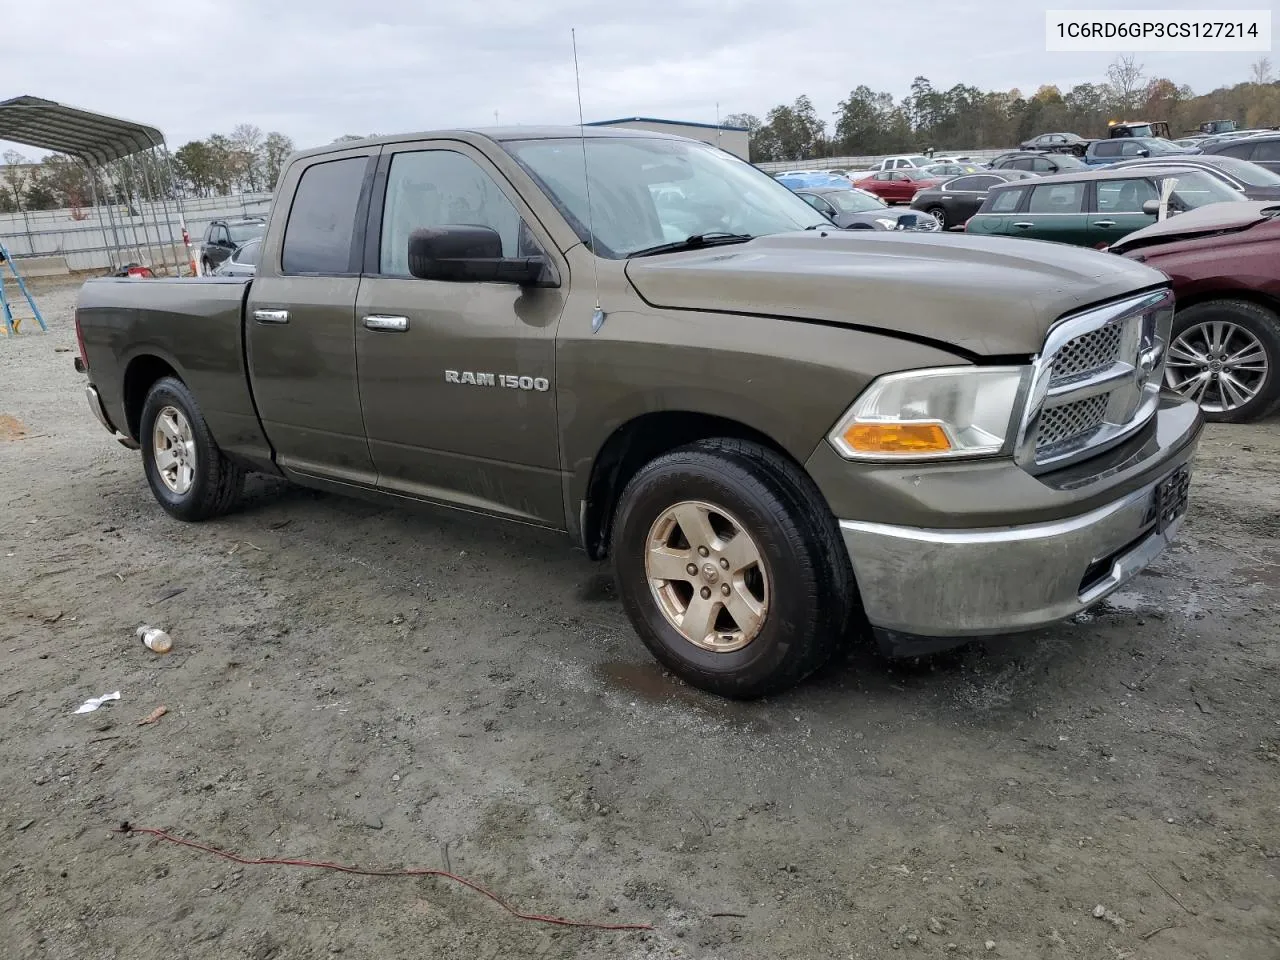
x=497 y=134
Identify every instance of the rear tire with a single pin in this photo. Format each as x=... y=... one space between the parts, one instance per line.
x=770 y=624
x=939 y=214
x=188 y=474
x=1206 y=362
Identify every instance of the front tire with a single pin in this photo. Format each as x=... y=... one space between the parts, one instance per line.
x=771 y=591
x=1225 y=355
x=188 y=474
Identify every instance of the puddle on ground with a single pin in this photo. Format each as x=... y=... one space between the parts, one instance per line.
x=11 y=428
x=651 y=683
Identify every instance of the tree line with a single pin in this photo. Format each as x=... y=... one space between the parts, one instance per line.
x=870 y=123
x=244 y=160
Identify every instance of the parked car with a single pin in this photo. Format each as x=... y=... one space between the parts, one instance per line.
x=1056 y=143
x=243 y=261
x=903 y=163
x=1253 y=181
x=1102 y=152
x=1093 y=208
x=1262 y=149
x=951 y=169
x=896 y=186
x=1191 y=143
x=1043 y=163
x=900 y=479
x=223 y=236
x=854 y=209
x=958 y=199
x=803 y=179
x=1224 y=261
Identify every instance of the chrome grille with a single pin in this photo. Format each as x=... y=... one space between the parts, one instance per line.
x=1097 y=381
x=1089 y=352
x=1060 y=424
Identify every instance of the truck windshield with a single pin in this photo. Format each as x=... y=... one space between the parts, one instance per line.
x=645 y=193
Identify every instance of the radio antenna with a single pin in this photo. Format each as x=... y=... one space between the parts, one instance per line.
x=597 y=318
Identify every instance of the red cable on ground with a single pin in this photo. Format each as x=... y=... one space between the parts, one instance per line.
x=127 y=828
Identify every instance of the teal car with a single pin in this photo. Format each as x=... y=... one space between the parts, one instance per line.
x=1093 y=208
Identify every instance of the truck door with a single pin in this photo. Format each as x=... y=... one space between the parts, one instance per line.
x=300 y=319
x=457 y=379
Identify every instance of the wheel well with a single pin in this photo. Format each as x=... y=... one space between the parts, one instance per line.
x=1251 y=296
x=139 y=377
x=634 y=444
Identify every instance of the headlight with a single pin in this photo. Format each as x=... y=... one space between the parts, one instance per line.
x=886 y=222
x=936 y=413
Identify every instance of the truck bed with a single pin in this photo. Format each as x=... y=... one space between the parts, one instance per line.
x=132 y=328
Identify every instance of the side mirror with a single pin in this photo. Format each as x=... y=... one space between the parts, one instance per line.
x=469 y=254
x=1151 y=208
x=1144 y=152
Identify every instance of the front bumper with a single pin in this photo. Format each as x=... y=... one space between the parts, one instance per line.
x=925 y=590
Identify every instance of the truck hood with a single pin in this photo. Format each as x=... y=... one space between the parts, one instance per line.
x=985 y=296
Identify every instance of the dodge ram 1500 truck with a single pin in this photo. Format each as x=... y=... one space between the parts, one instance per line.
x=782 y=433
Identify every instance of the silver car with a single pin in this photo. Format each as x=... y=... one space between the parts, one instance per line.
x=243 y=261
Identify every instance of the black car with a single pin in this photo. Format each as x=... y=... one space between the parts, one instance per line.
x=854 y=209
x=1041 y=163
x=957 y=200
x=1254 y=182
x=224 y=236
x=1057 y=143
x=1263 y=150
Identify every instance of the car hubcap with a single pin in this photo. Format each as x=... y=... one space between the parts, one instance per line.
x=707 y=576
x=1218 y=364
x=940 y=217
x=174 y=450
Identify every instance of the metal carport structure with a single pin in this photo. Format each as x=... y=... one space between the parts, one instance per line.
x=127 y=163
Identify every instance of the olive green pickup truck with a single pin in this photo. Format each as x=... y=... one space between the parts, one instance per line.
x=783 y=434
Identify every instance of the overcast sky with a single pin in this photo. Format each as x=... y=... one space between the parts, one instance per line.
x=315 y=69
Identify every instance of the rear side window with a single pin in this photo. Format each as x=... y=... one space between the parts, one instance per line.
x=1241 y=150
x=1056 y=198
x=1107 y=149
x=974 y=183
x=322 y=221
x=1268 y=151
x=1006 y=201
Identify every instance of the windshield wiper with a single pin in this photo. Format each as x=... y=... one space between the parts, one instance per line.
x=693 y=243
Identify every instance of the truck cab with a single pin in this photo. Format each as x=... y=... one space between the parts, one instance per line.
x=1138 y=128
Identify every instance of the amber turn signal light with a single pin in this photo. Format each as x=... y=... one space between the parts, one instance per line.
x=897 y=437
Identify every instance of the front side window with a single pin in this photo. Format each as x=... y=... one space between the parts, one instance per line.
x=437 y=188
x=1268 y=151
x=1195 y=188
x=1107 y=150
x=322 y=221
x=1056 y=198
x=248 y=253
x=716 y=192
x=1124 y=196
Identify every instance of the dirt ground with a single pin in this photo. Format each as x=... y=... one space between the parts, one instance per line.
x=369 y=686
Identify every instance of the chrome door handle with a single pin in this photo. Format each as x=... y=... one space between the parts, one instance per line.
x=1104 y=223
x=945 y=197
x=377 y=321
x=1024 y=224
x=271 y=316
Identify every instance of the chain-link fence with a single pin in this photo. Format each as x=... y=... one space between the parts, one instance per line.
x=86 y=237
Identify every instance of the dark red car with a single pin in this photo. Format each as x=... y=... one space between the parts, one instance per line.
x=897 y=186
x=1224 y=261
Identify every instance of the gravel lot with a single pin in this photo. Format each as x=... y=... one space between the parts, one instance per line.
x=356 y=684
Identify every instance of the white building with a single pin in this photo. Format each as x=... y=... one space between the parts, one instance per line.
x=732 y=139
